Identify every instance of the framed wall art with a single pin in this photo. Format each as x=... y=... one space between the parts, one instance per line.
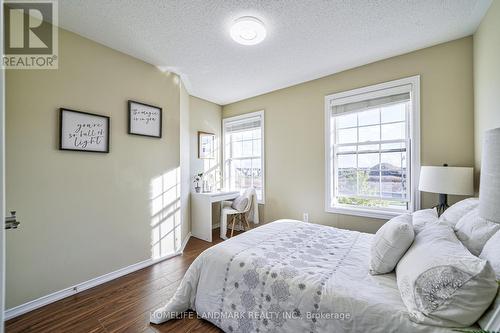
x=206 y=145
x=83 y=131
x=144 y=119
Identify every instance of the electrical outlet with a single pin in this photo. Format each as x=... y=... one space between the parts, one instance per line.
x=305 y=217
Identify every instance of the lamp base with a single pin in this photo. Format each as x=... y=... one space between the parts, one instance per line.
x=443 y=204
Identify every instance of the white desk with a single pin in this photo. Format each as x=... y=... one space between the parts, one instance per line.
x=201 y=212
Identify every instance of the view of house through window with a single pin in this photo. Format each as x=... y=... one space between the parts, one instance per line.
x=243 y=152
x=370 y=151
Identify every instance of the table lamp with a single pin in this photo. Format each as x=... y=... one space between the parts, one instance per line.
x=446 y=180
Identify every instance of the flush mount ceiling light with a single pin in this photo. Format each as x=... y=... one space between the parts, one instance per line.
x=248 y=30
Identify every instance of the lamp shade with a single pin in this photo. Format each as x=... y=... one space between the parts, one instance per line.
x=447 y=180
x=489 y=186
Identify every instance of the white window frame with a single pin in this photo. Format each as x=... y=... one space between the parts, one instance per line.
x=262 y=151
x=368 y=92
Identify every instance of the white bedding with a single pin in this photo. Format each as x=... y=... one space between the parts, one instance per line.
x=291 y=276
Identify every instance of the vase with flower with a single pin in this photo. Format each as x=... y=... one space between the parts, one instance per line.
x=197 y=180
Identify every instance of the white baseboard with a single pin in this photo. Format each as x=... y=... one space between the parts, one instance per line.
x=58 y=295
x=185 y=241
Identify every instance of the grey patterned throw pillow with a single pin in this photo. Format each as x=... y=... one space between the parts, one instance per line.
x=441 y=282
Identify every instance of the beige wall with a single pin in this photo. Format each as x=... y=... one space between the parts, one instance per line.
x=486 y=77
x=82 y=214
x=294 y=130
x=205 y=116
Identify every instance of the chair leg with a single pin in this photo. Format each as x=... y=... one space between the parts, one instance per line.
x=232 y=226
x=246 y=221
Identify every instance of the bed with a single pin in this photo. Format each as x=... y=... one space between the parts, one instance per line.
x=291 y=276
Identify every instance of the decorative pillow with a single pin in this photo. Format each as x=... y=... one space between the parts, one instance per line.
x=421 y=218
x=390 y=243
x=491 y=252
x=474 y=231
x=441 y=282
x=453 y=214
x=240 y=203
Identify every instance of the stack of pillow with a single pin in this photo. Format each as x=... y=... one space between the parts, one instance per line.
x=446 y=267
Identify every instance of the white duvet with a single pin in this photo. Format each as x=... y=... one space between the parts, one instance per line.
x=291 y=276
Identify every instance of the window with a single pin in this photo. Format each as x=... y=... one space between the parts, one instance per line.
x=372 y=149
x=244 y=152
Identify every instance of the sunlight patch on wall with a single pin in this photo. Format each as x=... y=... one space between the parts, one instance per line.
x=165 y=214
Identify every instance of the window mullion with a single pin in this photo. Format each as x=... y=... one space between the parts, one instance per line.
x=333 y=183
x=251 y=165
x=230 y=178
x=409 y=164
x=357 y=155
x=365 y=143
x=380 y=154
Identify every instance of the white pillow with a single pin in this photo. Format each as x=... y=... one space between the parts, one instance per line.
x=491 y=252
x=474 y=231
x=441 y=282
x=390 y=243
x=421 y=218
x=456 y=211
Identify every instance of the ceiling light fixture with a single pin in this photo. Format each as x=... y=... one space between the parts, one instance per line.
x=248 y=30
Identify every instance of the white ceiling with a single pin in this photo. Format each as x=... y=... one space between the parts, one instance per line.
x=306 y=39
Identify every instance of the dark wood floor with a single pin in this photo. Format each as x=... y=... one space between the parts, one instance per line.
x=121 y=305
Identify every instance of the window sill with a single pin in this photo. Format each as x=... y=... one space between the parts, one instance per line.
x=371 y=213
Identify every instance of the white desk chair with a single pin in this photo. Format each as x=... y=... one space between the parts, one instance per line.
x=227 y=211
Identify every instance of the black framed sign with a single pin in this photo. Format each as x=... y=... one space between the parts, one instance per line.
x=83 y=131
x=144 y=119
